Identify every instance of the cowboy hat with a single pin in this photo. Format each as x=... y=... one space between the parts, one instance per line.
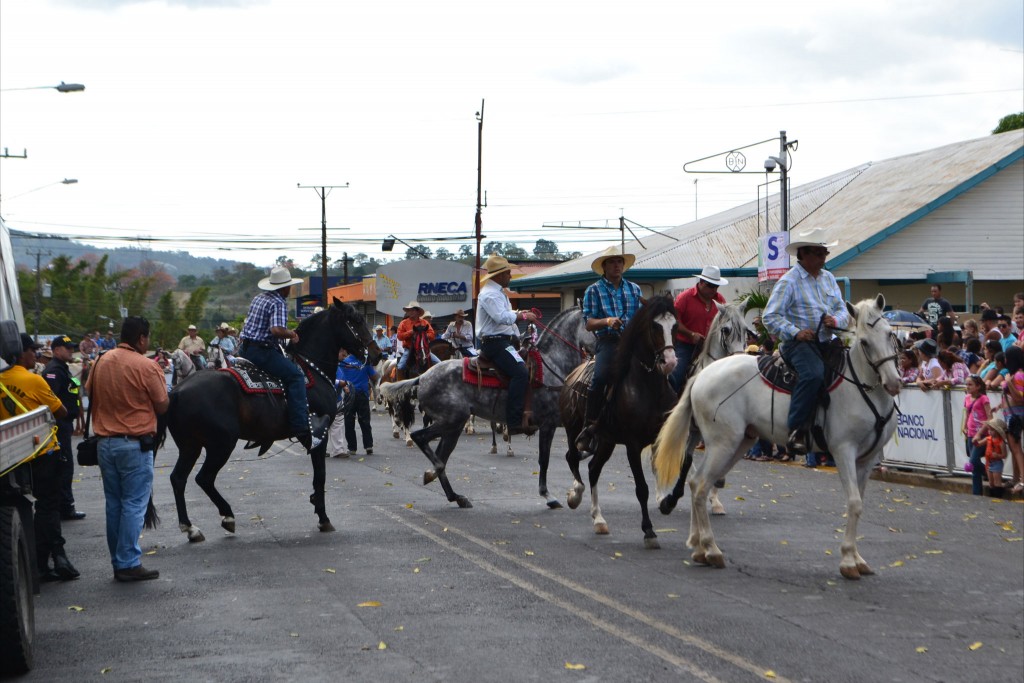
x=713 y=276
x=192 y=327
x=378 y=328
x=998 y=425
x=811 y=238
x=411 y=305
x=279 y=278
x=611 y=252
x=927 y=346
x=460 y=313
x=223 y=326
x=427 y=314
x=495 y=265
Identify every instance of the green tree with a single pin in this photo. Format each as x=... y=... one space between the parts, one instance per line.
x=421 y=251
x=167 y=323
x=1010 y=122
x=545 y=249
x=443 y=254
x=467 y=254
x=196 y=305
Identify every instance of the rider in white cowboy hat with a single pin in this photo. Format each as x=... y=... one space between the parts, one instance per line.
x=383 y=341
x=804 y=307
x=695 y=311
x=193 y=345
x=496 y=325
x=459 y=334
x=265 y=328
x=608 y=306
x=408 y=329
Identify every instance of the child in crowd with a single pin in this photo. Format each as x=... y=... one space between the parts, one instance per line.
x=977 y=411
x=995 y=454
x=997 y=376
x=908 y=366
x=1013 y=409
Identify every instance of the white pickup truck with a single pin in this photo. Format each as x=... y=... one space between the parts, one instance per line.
x=21 y=437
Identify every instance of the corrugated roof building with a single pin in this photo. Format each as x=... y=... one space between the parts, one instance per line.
x=900 y=223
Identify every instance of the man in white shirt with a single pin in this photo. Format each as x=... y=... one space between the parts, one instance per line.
x=496 y=325
x=460 y=334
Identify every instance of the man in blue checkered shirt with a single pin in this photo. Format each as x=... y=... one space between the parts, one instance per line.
x=608 y=306
x=265 y=329
x=804 y=308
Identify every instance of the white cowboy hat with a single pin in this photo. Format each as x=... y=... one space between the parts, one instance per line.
x=223 y=326
x=460 y=313
x=192 y=327
x=378 y=328
x=611 y=252
x=427 y=314
x=713 y=276
x=411 y=305
x=811 y=238
x=495 y=265
x=279 y=278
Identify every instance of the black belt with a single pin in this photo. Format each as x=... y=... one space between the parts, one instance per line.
x=123 y=436
x=498 y=337
x=260 y=344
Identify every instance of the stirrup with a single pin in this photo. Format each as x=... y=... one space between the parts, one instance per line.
x=797 y=442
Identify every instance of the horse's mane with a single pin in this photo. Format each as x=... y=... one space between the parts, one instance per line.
x=638 y=332
x=728 y=312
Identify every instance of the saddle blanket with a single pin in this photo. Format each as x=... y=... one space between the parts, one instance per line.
x=491 y=378
x=253 y=380
x=779 y=375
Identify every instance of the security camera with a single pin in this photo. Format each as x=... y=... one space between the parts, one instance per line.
x=770 y=164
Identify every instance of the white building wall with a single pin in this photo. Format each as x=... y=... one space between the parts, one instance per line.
x=982 y=230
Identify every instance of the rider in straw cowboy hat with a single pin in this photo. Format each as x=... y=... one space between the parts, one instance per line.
x=265 y=328
x=804 y=305
x=412 y=325
x=460 y=334
x=608 y=306
x=496 y=325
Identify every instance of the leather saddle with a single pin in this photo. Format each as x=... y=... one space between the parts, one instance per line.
x=782 y=377
x=254 y=380
x=481 y=371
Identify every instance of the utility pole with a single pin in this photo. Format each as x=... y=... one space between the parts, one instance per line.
x=322 y=191
x=39 y=287
x=479 y=203
x=695 y=215
x=784 y=171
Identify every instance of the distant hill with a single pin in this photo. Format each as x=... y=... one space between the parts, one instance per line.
x=177 y=263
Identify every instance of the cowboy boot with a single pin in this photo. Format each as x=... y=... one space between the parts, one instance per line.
x=586 y=442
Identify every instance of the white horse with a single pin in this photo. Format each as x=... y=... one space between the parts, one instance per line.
x=733 y=408
x=183 y=366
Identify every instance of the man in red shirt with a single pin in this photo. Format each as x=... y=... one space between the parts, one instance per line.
x=695 y=311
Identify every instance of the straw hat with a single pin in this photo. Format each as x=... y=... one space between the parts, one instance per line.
x=611 y=252
x=192 y=327
x=460 y=313
x=279 y=278
x=224 y=326
x=427 y=314
x=413 y=304
x=495 y=265
x=753 y=349
x=713 y=276
x=998 y=425
x=811 y=238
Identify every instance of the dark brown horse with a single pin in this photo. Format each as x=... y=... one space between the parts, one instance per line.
x=209 y=410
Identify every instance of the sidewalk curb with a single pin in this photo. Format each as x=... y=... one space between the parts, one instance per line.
x=948 y=483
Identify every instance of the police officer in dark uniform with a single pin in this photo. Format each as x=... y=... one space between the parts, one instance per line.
x=58 y=376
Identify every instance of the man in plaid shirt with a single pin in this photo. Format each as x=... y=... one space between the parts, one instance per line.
x=265 y=328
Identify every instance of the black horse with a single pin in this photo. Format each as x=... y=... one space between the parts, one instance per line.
x=210 y=410
x=640 y=398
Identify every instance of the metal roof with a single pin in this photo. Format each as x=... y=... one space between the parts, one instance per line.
x=859 y=208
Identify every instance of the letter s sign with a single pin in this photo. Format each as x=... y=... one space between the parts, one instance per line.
x=773 y=248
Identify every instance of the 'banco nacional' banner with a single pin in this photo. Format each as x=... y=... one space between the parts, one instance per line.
x=441 y=287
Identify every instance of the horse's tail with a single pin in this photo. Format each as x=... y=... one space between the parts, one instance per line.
x=400 y=395
x=670 y=446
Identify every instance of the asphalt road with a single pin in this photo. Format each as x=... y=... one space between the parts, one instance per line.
x=411 y=588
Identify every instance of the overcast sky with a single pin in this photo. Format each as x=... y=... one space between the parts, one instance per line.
x=199 y=118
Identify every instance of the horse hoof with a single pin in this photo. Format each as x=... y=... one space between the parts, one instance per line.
x=718 y=509
x=325 y=527
x=575 y=495
x=699 y=557
x=463 y=502
x=510 y=454
x=228 y=523
x=196 y=536
x=864 y=569
x=851 y=573
x=601 y=529
x=652 y=543
x=554 y=505
x=716 y=561
x=394 y=435
x=429 y=476
x=494 y=450
x=667 y=505
x=408 y=443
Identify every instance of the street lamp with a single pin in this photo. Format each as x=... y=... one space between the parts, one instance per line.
x=63 y=87
x=784 y=162
x=389 y=244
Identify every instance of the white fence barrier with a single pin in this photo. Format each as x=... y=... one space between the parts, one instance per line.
x=928 y=431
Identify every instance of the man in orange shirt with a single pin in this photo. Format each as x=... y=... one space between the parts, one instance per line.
x=413 y=327
x=127 y=392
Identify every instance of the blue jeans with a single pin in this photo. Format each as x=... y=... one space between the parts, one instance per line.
x=497 y=352
x=806 y=360
x=127 y=473
x=977 y=455
x=292 y=379
x=403 y=362
x=684 y=356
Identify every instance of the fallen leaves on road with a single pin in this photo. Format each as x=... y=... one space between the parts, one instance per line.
x=330 y=571
x=1006 y=526
x=974 y=646
x=575 y=667
x=369 y=603
x=920 y=649
x=382 y=645
x=75 y=608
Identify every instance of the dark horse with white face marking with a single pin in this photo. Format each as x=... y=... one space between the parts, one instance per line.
x=211 y=411
x=447 y=400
